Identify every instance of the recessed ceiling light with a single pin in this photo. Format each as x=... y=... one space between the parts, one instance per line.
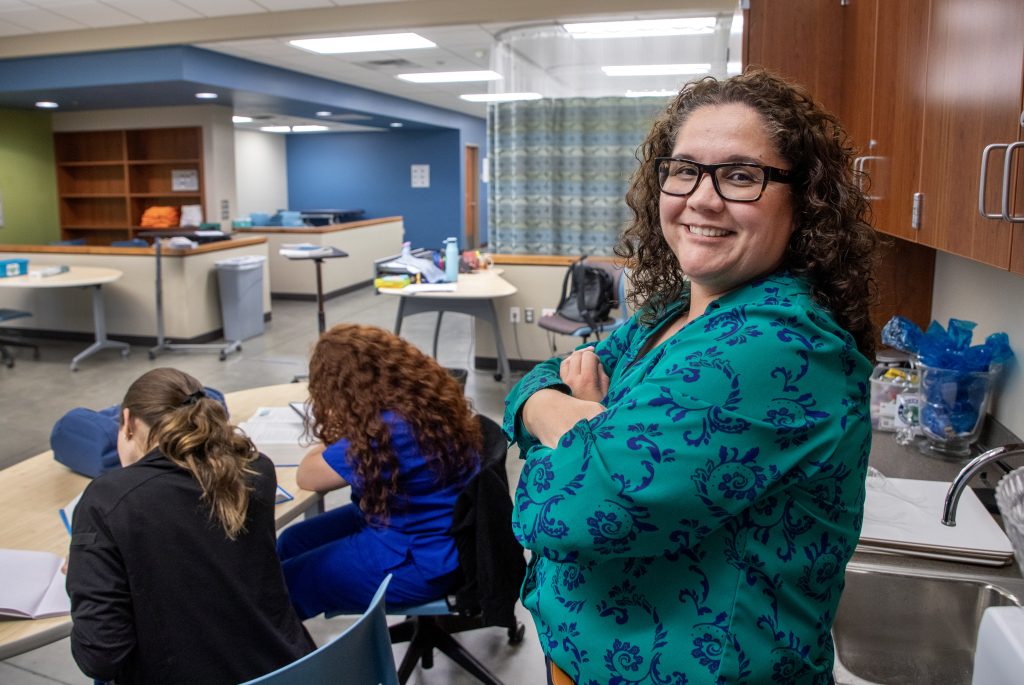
x=688 y=26
x=650 y=93
x=656 y=69
x=500 y=97
x=450 y=76
x=241 y=120
x=396 y=124
x=308 y=128
x=206 y=96
x=324 y=113
x=276 y=129
x=47 y=104
x=377 y=43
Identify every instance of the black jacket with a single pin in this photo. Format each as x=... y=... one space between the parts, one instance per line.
x=490 y=558
x=159 y=594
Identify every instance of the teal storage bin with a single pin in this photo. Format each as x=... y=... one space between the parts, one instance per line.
x=13 y=267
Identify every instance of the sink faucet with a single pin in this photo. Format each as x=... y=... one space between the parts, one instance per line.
x=956 y=488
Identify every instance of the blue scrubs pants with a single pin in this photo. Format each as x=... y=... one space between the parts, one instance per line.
x=333 y=563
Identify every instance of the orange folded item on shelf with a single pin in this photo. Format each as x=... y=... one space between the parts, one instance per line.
x=159 y=217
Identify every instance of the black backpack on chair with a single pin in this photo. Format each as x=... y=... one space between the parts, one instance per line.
x=591 y=297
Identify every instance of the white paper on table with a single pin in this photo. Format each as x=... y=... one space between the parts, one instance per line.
x=277 y=432
x=33 y=585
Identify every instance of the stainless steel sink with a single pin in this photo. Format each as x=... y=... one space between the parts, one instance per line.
x=911 y=626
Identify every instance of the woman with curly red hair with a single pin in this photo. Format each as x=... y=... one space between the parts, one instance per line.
x=394 y=425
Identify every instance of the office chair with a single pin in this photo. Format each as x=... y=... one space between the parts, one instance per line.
x=492 y=566
x=359 y=656
x=556 y=323
x=5 y=354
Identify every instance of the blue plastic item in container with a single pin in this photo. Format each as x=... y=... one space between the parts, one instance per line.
x=291 y=219
x=260 y=219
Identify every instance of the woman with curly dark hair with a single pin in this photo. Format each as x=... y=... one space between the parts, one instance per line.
x=693 y=485
x=396 y=426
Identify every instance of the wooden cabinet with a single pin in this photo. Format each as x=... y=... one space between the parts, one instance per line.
x=107 y=179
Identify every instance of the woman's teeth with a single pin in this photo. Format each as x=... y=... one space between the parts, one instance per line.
x=707 y=232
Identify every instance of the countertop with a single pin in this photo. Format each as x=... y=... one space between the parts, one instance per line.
x=898 y=461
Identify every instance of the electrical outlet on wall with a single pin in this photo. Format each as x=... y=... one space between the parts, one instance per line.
x=513 y=314
x=528 y=314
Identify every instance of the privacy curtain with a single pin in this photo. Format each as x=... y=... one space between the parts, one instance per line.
x=559 y=172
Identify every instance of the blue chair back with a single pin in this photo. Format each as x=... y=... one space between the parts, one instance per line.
x=359 y=656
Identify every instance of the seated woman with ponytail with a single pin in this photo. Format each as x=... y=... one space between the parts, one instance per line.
x=172 y=573
x=394 y=424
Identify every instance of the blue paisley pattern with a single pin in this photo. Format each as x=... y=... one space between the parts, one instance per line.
x=698 y=530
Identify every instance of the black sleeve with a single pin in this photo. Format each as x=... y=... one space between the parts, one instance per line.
x=103 y=632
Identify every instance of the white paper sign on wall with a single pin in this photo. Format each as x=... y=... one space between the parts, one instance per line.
x=420 y=175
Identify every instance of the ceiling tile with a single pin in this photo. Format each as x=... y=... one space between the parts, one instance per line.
x=151 y=11
x=221 y=8
x=94 y=14
x=40 y=20
x=281 y=5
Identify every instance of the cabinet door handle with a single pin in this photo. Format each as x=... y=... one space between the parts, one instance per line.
x=1007 y=177
x=981 y=181
x=863 y=162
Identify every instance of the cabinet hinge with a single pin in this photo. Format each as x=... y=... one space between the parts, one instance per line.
x=915 y=214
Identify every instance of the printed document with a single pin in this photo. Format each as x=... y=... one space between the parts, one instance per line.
x=33 y=585
x=277 y=432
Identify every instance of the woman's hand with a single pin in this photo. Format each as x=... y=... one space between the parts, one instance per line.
x=549 y=414
x=316 y=474
x=583 y=373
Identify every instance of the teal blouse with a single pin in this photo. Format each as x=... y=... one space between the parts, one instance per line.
x=698 y=530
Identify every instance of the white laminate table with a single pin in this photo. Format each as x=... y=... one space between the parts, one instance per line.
x=35 y=490
x=474 y=294
x=92 y=277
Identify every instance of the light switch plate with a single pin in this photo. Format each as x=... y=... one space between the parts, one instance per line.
x=420 y=175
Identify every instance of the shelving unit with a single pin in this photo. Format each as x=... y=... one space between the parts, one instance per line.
x=107 y=179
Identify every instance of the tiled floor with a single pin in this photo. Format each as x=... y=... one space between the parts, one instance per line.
x=36 y=393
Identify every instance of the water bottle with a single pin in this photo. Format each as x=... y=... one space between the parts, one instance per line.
x=451 y=260
x=406 y=250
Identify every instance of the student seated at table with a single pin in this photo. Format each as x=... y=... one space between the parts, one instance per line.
x=172 y=573
x=396 y=426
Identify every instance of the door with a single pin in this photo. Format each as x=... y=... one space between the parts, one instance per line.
x=472 y=196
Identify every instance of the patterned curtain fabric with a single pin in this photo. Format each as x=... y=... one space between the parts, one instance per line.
x=559 y=172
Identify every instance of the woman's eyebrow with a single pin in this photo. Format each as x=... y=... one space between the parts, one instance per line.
x=730 y=159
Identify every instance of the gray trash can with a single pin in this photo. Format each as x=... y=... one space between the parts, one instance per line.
x=241 y=296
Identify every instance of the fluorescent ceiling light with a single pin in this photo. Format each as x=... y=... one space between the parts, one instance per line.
x=689 y=26
x=206 y=96
x=500 y=97
x=308 y=128
x=651 y=93
x=47 y=104
x=377 y=43
x=450 y=76
x=241 y=120
x=324 y=113
x=276 y=129
x=396 y=124
x=656 y=69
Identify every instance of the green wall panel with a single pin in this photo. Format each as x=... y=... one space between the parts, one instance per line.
x=28 y=178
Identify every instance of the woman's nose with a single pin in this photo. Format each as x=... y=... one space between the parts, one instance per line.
x=705 y=195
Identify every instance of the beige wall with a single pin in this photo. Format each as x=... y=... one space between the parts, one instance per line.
x=190 y=294
x=261 y=172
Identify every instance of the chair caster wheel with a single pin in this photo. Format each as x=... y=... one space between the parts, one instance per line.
x=124 y=353
x=223 y=356
x=497 y=376
x=152 y=355
x=515 y=633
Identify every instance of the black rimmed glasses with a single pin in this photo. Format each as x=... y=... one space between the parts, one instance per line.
x=733 y=181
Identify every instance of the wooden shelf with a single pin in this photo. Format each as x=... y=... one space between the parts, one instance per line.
x=107 y=179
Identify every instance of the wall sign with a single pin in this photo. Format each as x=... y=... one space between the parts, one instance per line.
x=184 y=180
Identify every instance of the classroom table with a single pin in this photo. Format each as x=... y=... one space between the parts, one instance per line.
x=37 y=488
x=474 y=294
x=92 y=277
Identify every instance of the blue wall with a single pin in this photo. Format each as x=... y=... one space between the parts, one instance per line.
x=371 y=171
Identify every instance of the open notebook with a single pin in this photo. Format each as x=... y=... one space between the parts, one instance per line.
x=33 y=585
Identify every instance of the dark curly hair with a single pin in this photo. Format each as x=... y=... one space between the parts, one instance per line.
x=833 y=245
x=358 y=372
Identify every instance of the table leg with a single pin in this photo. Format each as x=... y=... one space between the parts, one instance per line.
x=504 y=368
x=437 y=331
x=321 y=322
x=99 y=322
x=400 y=315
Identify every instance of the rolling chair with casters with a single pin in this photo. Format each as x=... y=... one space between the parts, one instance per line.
x=556 y=323
x=360 y=656
x=5 y=354
x=492 y=566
